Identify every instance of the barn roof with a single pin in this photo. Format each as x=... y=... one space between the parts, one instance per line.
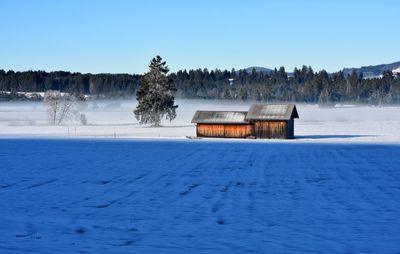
x=220 y=117
x=272 y=112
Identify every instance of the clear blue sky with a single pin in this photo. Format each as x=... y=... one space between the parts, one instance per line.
x=118 y=36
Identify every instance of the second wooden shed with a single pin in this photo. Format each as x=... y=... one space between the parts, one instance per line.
x=272 y=120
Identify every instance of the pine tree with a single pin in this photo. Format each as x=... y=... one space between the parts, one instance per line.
x=155 y=95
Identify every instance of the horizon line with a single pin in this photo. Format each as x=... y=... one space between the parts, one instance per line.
x=199 y=68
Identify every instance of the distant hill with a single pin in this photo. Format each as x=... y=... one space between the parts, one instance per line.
x=367 y=71
x=258 y=69
x=263 y=70
x=372 y=70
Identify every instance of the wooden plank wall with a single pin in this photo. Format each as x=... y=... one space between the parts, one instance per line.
x=270 y=129
x=224 y=130
x=260 y=129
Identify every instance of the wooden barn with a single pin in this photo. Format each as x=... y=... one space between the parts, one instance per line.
x=272 y=121
x=222 y=124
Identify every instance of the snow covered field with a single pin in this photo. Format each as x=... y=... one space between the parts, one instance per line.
x=109 y=119
x=189 y=196
x=327 y=191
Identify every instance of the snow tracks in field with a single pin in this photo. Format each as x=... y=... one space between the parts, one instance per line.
x=198 y=197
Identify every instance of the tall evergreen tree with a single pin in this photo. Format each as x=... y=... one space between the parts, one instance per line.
x=155 y=95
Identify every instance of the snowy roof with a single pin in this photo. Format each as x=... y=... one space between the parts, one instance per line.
x=272 y=112
x=220 y=117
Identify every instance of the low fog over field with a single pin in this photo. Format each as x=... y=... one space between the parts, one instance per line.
x=115 y=119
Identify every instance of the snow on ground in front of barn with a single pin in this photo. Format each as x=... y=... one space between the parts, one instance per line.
x=187 y=196
x=109 y=119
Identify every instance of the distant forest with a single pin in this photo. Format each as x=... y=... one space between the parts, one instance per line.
x=303 y=85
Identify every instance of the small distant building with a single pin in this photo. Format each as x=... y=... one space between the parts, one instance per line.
x=272 y=121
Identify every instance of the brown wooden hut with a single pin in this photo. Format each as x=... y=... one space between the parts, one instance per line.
x=261 y=121
x=222 y=124
x=272 y=120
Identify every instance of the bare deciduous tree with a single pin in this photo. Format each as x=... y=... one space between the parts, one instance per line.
x=60 y=107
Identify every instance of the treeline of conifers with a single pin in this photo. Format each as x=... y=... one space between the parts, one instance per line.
x=303 y=85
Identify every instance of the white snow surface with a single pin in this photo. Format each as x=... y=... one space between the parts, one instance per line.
x=114 y=186
x=196 y=196
x=115 y=119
